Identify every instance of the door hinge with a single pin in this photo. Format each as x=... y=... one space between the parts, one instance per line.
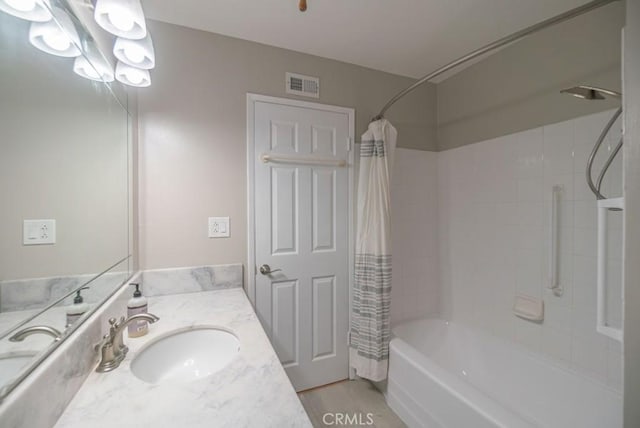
x=348 y=144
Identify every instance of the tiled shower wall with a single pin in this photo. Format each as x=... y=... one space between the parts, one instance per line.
x=493 y=203
x=414 y=235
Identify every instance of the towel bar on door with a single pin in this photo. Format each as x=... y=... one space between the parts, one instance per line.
x=303 y=160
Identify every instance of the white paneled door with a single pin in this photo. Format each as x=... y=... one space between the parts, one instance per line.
x=301 y=235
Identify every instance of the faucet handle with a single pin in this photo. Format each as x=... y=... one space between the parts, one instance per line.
x=102 y=342
x=114 y=325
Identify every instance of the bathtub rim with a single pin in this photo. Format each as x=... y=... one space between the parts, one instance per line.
x=556 y=363
x=463 y=391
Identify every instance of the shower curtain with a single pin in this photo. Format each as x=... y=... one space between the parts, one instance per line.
x=370 y=317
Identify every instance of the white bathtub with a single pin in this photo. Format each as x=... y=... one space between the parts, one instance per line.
x=446 y=375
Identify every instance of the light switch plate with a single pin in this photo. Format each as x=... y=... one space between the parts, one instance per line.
x=39 y=232
x=219 y=227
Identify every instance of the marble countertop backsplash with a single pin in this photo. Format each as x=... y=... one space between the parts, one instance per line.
x=252 y=391
x=161 y=282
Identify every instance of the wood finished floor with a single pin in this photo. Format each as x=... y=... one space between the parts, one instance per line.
x=350 y=397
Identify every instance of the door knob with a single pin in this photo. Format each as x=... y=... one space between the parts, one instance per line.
x=266 y=270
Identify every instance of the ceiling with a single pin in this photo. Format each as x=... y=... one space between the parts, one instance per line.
x=406 y=37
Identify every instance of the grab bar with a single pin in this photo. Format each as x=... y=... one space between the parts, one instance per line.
x=554 y=281
x=303 y=160
x=604 y=205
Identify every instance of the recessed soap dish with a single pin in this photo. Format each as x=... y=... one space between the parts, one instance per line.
x=528 y=308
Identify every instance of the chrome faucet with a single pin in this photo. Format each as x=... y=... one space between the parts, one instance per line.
x=36 y=329
x=112 y=348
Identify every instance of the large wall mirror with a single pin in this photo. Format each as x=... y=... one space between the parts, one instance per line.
x=65 y=192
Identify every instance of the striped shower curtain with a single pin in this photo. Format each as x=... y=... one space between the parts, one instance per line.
x=370 y=318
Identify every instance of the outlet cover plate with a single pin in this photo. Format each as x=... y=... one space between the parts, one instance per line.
x=39 y=232
x=219 y=227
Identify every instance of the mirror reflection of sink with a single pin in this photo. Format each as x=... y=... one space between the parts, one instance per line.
x=185 y=355
x=11 y=363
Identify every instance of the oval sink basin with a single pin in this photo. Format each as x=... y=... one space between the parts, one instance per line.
x=185 y=355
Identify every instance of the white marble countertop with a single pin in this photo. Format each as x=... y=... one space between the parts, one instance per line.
x=252 y=391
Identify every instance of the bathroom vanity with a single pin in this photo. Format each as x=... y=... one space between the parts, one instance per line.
x=251 y=390
x=69 y=228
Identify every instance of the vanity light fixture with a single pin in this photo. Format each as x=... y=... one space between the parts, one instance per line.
x=31 y=10
x=92 y=65
x=57 y=36
x=132 y=76
x=122 y=18
x=136 y=53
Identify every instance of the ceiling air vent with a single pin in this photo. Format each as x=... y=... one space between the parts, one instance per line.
x=306 y=86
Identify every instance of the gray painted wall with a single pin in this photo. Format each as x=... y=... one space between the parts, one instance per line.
x=193 y=133
x=632 y=217
x=193 y=117
x=518 y=87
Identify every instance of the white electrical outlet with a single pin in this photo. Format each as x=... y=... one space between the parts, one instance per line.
x=39 y=232
x=219 y=227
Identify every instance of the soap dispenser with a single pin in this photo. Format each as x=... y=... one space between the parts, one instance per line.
x=75 y=311
x=137 y=305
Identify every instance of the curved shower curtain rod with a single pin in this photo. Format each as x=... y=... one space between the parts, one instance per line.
x=588 y=7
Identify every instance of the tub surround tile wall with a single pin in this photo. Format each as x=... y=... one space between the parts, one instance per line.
x=415 y=288
x=161 y=282
x=494 y=218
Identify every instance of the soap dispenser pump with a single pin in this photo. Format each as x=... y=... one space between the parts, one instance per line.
x=75 y=311
x=137 y=305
